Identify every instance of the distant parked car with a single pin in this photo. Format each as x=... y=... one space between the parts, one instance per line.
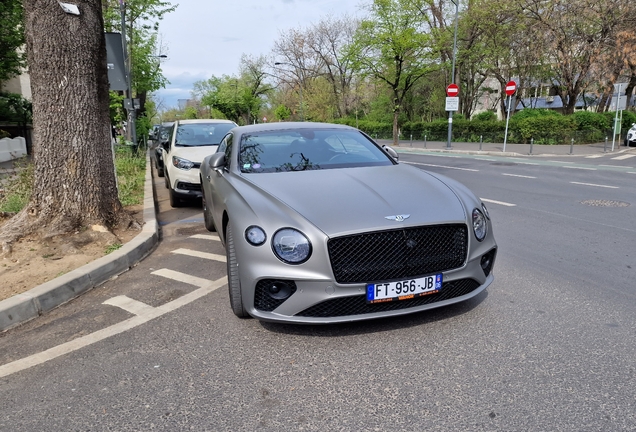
x=160 y=140
x=188 y=143
x=630 y=139
x=321 y=225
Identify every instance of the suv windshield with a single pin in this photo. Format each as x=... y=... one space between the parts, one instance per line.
x=308 y=149
x=201 y=134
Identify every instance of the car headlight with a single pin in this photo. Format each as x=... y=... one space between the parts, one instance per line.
x=255 y=235
x=483 y=207
x=291 y=246
x=181 y=163
x=480 y=226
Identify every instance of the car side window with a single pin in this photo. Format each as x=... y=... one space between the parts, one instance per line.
x=228 y=149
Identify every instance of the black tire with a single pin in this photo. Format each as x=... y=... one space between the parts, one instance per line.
x=233 y=282
x=175 y=201
x=166 y=181
x=160 y=172
x=207 y=216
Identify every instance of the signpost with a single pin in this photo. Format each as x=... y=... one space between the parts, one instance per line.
x=511 y=88
x=452 y=104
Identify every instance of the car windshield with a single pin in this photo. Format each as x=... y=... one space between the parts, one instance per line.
x=201 y=134
x=308 y=149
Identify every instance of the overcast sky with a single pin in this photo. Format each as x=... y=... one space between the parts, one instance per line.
x=204 y=38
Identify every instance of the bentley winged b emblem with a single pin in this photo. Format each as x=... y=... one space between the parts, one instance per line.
x=398 y=218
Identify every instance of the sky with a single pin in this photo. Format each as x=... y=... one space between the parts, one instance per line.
x=202 y=38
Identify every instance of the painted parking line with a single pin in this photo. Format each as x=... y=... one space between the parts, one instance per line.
x=115 y=329
x=443 y=166
x=206 y=237
x=596 y=185
x=498 y=202
x=130 y=305
x=197 y=254
x=181 y=277
x=623 y=157
x=518 y=175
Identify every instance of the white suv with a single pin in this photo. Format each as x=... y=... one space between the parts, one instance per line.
x=189 y=142
x=630 y=139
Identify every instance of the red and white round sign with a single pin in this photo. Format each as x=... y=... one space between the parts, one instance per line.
x=452 y=90
x=511 y=88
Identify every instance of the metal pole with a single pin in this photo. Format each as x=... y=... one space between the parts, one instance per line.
x=131 y=112
x=411 y=140
x=450 y=113
x=571 y=145
x=424 y=141
x=481 y=139
x=605 y=146
x=531 y=144
x=618 y=97
x=507 y=119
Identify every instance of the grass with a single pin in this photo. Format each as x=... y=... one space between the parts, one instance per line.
x=112 y=248
x=130 y=169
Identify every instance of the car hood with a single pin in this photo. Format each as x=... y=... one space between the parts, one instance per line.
x=194 y=153
x=342 y=201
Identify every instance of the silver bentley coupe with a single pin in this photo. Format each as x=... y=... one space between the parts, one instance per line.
x=321 y=225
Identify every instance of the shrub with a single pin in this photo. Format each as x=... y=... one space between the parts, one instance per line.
x=586 y=120
x=485 y=116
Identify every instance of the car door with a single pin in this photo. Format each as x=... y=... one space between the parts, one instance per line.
x=219 y=186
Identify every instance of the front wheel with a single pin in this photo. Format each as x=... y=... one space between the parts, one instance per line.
x=175 y=201
x=233 y=281
x=207 y=215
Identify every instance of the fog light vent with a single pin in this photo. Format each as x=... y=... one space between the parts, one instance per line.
x=487 y=261
x=270 y=293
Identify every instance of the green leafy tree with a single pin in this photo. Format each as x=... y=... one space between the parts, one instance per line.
x=11 y=38
x=390 y=45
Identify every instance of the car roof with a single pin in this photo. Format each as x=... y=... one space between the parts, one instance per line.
x=190 y=121
x=263 y=127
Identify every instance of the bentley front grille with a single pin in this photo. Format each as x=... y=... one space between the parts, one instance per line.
x=357 y=305
x=400 y=253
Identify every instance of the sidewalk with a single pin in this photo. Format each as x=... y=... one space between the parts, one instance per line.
x=497 y=149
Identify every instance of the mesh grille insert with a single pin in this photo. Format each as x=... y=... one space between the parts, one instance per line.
x=400 y=253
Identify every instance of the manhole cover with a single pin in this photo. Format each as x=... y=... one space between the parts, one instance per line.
x=605 y=203
x=504 y=163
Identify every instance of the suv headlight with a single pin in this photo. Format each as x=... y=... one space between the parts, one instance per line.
x=181 y=163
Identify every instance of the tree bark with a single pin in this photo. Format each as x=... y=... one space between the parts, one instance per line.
x=74 y=183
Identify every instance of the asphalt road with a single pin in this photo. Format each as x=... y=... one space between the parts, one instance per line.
x=549 y=346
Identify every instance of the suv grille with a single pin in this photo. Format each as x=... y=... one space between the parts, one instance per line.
x=357 y=305
x=400 y=253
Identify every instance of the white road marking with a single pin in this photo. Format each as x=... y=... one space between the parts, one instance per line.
x=198 y=254
x=631 y=172
x=498 y=202
x=517 y=175
x=81 y=342
x=597 y=185
x=527 y=163
x=623 y=157
x=581 y=168
x=560 y=162
x=206 y=237
x=484 y=159
x=442 y=166
x=129 y=305
x=616 y=166
x=181 y=277
x=594 y=156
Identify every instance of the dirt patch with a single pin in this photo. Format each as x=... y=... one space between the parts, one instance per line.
x=32 y=262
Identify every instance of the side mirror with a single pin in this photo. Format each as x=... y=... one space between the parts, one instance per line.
x=391 y=152
x=216 y=161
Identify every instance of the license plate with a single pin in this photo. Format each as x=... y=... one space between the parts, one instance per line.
x=403 y=290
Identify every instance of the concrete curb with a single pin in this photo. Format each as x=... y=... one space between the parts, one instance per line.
x=33 y=303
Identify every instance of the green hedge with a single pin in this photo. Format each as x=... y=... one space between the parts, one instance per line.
x=541 y=125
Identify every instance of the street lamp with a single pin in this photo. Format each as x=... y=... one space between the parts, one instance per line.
x=130 y=103
x=300 y=89
x=450 y=113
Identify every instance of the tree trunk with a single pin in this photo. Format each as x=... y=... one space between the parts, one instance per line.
x=74 y=182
